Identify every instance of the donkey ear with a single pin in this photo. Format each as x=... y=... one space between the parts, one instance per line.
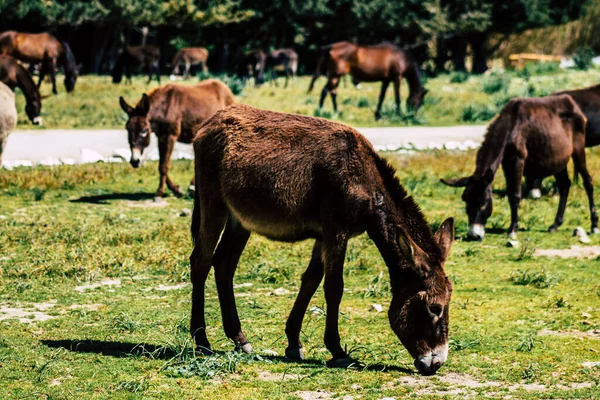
x=144 y=105
x=444 y=236
x=412 y=253
x=126 y=107
x=458 y=182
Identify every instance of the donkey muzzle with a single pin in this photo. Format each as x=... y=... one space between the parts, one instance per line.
x=476 y=232
x=136 y=158
x=37 y=121
x=429 y=363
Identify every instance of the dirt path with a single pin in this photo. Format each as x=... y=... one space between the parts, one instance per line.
x=52 y=147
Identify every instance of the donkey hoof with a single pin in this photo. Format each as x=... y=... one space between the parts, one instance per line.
x=245 y=347
x=535 y=193
x=512 y=235
x=339 y=363
x=294 y=354
x=595 y=230
x=553 y=229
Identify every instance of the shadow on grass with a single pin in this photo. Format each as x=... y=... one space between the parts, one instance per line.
x=106 y=198
x=123 y=349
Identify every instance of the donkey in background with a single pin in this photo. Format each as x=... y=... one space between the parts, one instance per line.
x=290 y=178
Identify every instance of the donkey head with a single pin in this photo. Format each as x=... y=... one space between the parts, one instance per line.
x=418 y=313
x=33 y=109
x=138 y=128
x=478 y=199
x=415 y=100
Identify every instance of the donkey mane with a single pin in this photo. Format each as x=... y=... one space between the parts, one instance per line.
x=410 y=213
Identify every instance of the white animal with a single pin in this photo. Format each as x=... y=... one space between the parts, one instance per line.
x=8 y=115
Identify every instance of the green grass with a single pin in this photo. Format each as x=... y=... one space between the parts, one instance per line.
x=129 y=338
x=452 y=99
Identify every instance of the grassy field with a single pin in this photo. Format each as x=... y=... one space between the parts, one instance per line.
x=452 y=99
x=95 y=299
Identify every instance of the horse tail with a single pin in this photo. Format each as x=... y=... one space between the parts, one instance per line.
x=321 y=64
x=117 y=72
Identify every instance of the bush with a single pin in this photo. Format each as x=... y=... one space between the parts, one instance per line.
x=583 y=58
x=495 y=83
x=235 y=84
x=541 y=68
x=459 y=77
x=478 y=113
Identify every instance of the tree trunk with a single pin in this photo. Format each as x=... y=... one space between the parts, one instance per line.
x=479 y=48
x=459 y=52
x=224 y=50
x=441 y=55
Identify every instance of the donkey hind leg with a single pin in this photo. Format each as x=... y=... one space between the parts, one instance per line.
x=225 y=262
x=563 y=183
x=311 y=279
x=534 y=187
x=581 y=168
x=384 y=86
x=213 y=215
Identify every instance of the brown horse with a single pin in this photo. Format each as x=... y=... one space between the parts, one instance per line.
x=290 y=177
x=189 y=56
x=252 y=65
x=384 y=62
x=45 y=49
x=172 y=112
x=15 y=75
x=134 y=57
x=533 y=138
x=284 y=58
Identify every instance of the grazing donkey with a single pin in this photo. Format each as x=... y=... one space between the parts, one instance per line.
x=289 y=178
x=533 y=138
x=172 y=112
x=8 y=115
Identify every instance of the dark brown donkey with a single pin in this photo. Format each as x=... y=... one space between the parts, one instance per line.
x=189 y=56
x=533 y=138
x=282 y=58
x=13 y=75
x=45 y=49
x=134 y=57
x=384 y=62
x=289 y=178
x=172 y=112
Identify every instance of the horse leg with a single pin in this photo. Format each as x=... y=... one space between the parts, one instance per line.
x=333 y=84
x=323 y=94
x=200 y=259
x=397 y=83
x=563 y=183
x=311 y=279
x=188 y=66
x=513 y=172
x=149 y=71
x=581 y=167
x=157 y=71
x=53 y=75
x=43 y=67
x=225 y=261
x=384 y=86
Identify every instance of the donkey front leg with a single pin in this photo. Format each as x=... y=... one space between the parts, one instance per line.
x=513 y=171
x=563 y=183
x=165 y=149
x=311 y=279
x=225 y=261
x=334 y=250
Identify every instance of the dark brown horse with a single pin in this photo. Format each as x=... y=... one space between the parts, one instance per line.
x=282 y=58
x=290 y=178
x=252 y=65
x=15 y=75
x=172 y=112
x=534 y=138
x=45 y=49
x=189 y=56
x=384 y=62
x=134 y=57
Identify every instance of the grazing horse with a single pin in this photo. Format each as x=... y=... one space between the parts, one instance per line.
x=384 y=62
x=134 y=57
x=172 y=112
x=45 y=49
x=14 y=75
x=189 y=56
x=290 y=178
x=8 y=115
x=252 y=65
x=534 y=138
x=285 y=58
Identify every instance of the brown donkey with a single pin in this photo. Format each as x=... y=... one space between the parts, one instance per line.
x=290 y=178
x=172 y=112
x=533 y=138
x=189 y=56
x=384 y=62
